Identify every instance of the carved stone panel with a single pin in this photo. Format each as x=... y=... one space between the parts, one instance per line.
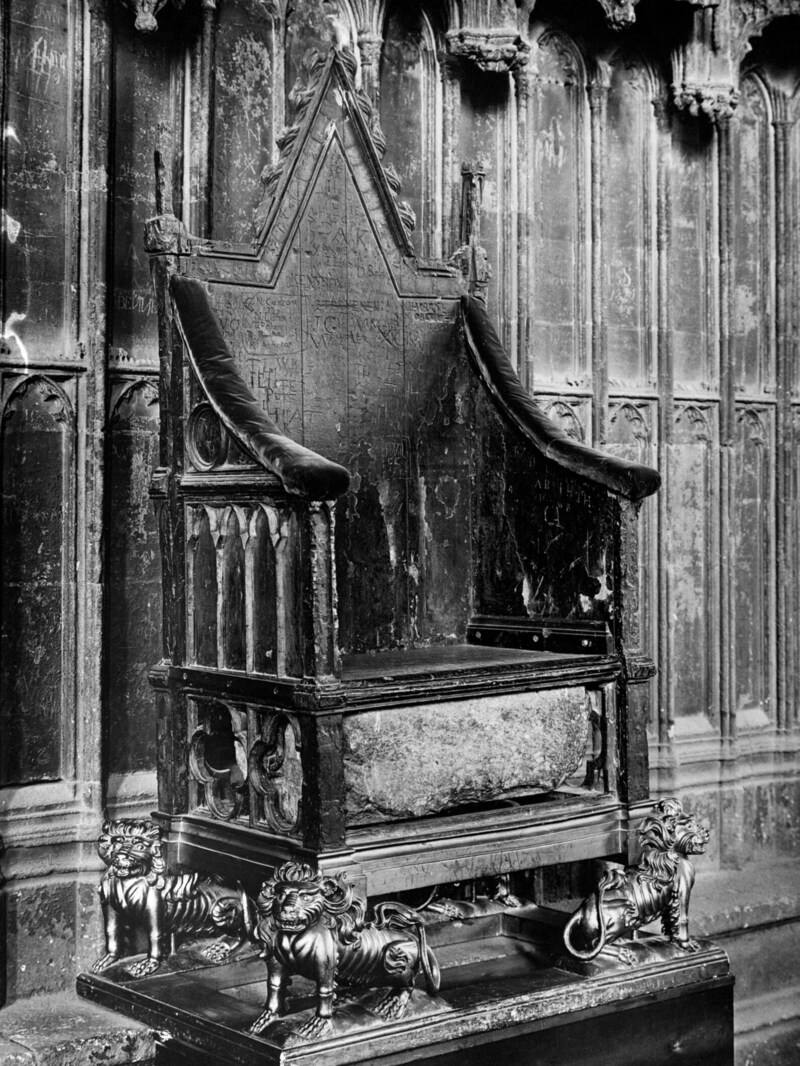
x=244 y=90
x=752 y=325
x=408 y=85
x=754 y=606
x=38 y=441
x=692 y=294
x=629 y=240
x=693 y=587
x=144 y=118
x=496 y=747
x=134 y=579
x=558 y=123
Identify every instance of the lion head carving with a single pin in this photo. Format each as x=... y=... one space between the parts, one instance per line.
x=668 y=833
x=297 y=897
x=133 y=849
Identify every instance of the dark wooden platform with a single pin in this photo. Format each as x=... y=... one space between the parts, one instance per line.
x=507 y=996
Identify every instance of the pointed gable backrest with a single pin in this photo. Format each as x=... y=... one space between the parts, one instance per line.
x=351 y=346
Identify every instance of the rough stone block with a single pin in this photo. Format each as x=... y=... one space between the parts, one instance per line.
x=411 y=761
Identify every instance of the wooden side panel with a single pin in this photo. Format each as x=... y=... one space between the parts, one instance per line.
x=542 y=542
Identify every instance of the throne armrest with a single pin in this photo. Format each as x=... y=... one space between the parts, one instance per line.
x=631 y=480
x=301 y=470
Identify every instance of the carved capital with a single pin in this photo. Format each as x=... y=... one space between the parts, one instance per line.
x=598 y=94
x=705 y=75
x=715 y=102
x=370 y=45
x=495 y=51
x=619 y=13
x=622 y=13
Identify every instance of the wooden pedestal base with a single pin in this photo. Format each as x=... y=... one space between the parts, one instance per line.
x=508 y=996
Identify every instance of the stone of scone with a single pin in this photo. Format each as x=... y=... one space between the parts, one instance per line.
x=406 y=762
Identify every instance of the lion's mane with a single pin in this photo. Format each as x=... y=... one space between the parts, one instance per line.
x=341 y=910
x=119 y=836
x=666 y=835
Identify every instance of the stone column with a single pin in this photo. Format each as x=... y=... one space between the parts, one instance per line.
x=449 y=67
x=370 y=46
x=785 y=518
x=598 y=101
x=524 y=356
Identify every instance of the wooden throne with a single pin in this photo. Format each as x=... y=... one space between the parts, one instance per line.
x=401 y=626
x=393 y=588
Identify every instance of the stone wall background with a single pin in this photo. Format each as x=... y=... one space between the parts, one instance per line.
x=640 y=183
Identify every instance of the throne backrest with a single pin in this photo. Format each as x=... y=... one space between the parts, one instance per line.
x=464 y=502
x=351 y=346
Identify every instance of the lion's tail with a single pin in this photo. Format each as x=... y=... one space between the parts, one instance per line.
x=428 y=962
x=402 y=917
x=249 y=918
x=592 y=953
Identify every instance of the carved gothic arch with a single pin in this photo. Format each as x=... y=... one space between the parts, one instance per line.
x=543 y=33
x=65 y=413
x=124 y=392
x=756 y=19
x=650 y=76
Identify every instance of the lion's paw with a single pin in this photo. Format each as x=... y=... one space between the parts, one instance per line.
x=144 y=968
x=218 y=952
x=315 y=1028
x=104 y=962
x=392 y=1004
x=265 y=1018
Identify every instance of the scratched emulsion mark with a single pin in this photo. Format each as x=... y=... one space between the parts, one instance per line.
x=10 y=334
x=37 y=134
x=10 y=229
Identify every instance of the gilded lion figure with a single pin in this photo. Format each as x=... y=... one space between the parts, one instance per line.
x=659 y=887
x=313 y=926
x=136 y=892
